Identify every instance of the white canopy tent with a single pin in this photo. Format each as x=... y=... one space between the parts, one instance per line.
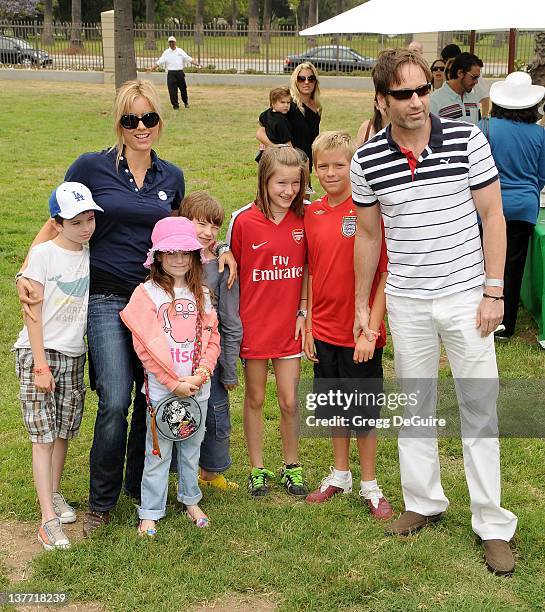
x=402 y=17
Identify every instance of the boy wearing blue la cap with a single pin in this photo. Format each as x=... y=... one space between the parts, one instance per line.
x=50 y=351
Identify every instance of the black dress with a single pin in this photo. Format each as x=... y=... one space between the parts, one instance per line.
x=304 y=128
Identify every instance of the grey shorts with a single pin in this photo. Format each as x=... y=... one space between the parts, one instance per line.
x=48 y=416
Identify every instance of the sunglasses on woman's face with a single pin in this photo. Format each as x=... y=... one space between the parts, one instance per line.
x=130 y=121
x=438 y=69
x=406 y=94
x=302 y=79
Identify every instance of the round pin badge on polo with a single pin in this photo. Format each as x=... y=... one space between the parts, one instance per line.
x=162 y=195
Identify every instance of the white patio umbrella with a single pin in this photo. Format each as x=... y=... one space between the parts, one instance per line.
x=404 y=17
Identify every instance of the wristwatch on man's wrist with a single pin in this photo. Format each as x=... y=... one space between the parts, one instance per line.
x=493 y=282
x=302 y=313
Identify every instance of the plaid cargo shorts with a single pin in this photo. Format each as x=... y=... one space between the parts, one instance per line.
x=49 y=416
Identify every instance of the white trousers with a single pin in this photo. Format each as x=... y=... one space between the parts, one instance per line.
x=418 y=326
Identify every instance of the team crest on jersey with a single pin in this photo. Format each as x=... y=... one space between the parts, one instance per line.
x=298 y=235
x=348 y=226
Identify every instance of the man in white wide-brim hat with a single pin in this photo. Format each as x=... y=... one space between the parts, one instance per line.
x=518 y=148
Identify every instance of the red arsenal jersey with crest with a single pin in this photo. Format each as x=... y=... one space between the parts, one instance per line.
x=330 y=232
x=271 y=260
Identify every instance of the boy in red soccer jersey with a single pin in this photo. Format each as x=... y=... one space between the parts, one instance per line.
x=339 y=363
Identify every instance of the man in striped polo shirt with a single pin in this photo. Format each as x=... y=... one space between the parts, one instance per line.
x=429 y=177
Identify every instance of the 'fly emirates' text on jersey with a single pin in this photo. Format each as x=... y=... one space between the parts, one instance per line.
x=271 y=260
x=330 y=232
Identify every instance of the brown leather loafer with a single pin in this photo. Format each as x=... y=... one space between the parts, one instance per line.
x=411 y=522
x=498 y=557
x=92 y=520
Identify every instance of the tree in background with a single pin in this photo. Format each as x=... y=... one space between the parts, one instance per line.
x=47 y=34
x=150 y=19
x=76 y=44
x=11 y=9
x=125 y=60
x=199 y=24
x=252 y=46
x=312 y=20
x=234 y=14
x=536 y=67
x=267 y=15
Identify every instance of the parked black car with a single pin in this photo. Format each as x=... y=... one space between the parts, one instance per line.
x=331 y=58
x=17 y=51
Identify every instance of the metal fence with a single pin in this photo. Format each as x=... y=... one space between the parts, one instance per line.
x=224 y=49
x=27 y=44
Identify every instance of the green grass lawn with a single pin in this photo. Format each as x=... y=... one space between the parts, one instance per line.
x=275 y=550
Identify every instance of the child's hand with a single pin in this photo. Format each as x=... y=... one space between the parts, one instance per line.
x=365 y=349
x=309 y=348
x=185 y=389
x=300 y=324
x=45 y=383
x=192 y=380
x=230 y=386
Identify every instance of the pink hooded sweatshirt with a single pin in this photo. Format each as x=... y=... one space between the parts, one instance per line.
x=150 y=343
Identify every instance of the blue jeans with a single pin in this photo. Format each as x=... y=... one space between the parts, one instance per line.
x=155 y=477
x=215 y=455
x=117 y=371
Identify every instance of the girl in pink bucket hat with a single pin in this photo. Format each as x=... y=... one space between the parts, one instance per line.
x=175 y=334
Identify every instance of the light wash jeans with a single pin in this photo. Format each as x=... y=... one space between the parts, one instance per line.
x=156 y=469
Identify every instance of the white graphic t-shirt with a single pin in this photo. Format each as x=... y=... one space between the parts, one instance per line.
x=65 y=277
x=178 y=320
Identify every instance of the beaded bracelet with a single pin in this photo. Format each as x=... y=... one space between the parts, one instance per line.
x=204 y=373
x=308 y=330
x=493 y=297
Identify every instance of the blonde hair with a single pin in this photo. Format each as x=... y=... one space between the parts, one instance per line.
x=329 y=141
x=272 y=158
x=126 y=96
x=203 y=207
x=294 y=90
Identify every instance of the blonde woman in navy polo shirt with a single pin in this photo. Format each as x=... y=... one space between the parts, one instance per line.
x=136 y=189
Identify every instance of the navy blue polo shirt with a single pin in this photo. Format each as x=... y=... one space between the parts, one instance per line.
x=123 y=231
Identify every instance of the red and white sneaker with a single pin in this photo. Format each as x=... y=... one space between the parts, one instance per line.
x=330 y=486
x=378 y=505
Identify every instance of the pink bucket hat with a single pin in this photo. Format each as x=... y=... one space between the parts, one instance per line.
x=173 y=234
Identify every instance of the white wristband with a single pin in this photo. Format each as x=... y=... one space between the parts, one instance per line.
x=493 y=282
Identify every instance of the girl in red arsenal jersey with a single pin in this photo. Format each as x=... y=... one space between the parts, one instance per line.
x=268 y=241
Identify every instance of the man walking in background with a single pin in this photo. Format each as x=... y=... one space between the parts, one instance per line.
x=173 y=61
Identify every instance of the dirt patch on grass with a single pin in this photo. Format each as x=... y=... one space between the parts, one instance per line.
x=240 y=603
x=19 y=545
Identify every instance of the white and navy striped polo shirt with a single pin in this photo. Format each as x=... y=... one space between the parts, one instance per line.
x=432 y=234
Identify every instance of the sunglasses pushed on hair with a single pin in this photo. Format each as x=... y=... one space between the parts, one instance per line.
x=302 y=79
x=130 y=121
x=406 y=94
